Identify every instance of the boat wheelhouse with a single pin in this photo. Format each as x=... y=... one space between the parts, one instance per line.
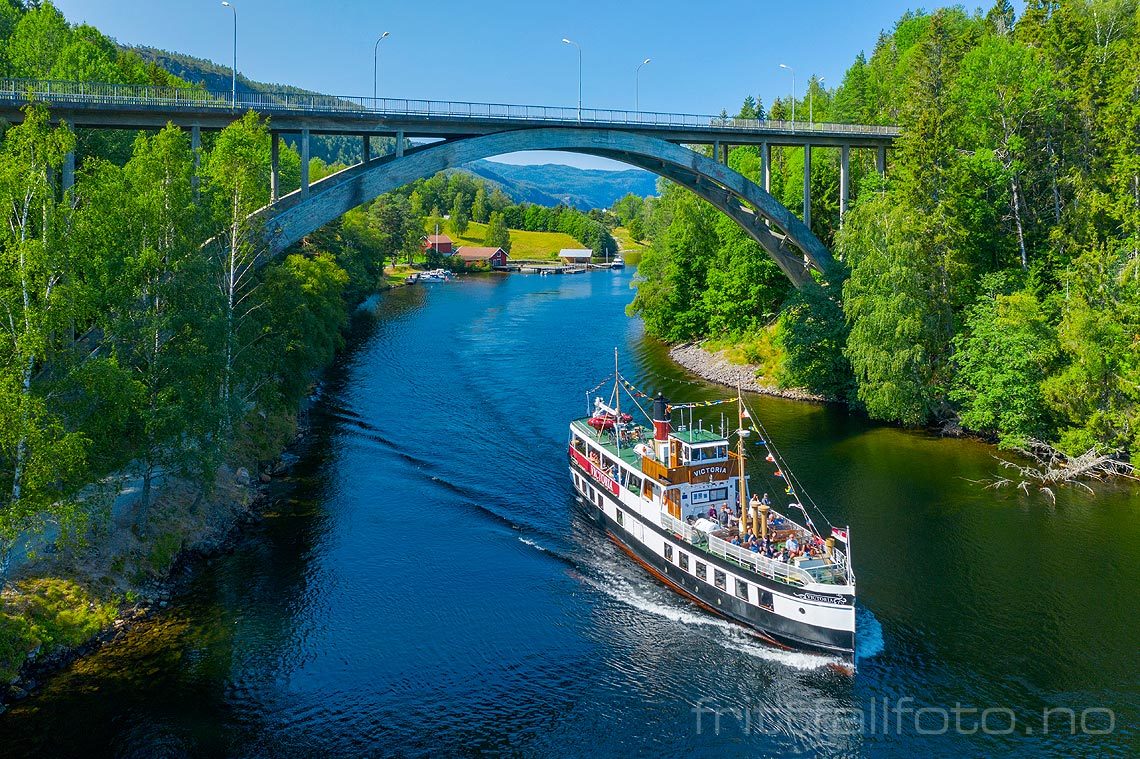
x=676 y=500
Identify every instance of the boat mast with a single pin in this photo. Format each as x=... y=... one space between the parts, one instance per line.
x=740 y=433
x=617 y=404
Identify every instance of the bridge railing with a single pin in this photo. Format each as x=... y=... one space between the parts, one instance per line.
x=156 y=97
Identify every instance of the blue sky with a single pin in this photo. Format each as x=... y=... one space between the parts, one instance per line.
x=705 y=56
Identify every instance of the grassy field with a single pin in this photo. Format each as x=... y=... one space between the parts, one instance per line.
x=525 y=245
x=630 y=250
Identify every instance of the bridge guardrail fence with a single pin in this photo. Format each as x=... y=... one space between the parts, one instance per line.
x=80 y=94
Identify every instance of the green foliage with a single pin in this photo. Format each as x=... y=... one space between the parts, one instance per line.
x=898 y=339
x=49 y=612
x=498 y=236
x=812 y=333
x=744 y=287
x=479 y=210
x=672 y=273
x=41 y=459
x=1007 y=347
x=460 y=214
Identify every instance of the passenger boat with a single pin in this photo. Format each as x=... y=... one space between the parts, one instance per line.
x=676 y=499
x=617 y=263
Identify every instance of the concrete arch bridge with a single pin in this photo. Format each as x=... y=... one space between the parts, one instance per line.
x=464 y=132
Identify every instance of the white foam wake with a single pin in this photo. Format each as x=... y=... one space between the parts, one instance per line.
x=736 y=637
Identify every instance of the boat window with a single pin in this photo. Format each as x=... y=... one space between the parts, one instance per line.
x=719 y=494
x=634 y=483
x=765 y=599
x=684 y=557
x=668 y=552
x=620 y=518
x=720 y=580
x=702 y=570
x=742 y=589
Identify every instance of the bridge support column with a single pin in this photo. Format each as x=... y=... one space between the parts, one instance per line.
x=881 y=159
x=274 y=166
x=844 y=180
x=766 y=166
x=68 y=171
x=724 y=150
x=196 y=151
x=366 y=148
x=400 y=143
x=716 y=151
x=304 y=163
x=807 y=186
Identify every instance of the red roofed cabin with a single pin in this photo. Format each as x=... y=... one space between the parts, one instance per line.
x=493 y=257
x=439 y=243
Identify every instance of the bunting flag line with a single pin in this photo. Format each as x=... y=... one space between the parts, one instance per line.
x=701 y=404
x=770 y=458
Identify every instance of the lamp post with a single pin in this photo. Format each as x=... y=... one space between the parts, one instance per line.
x=811 y=91
x=789 y=68
x=375 y=64
x=233 y=86
x=637 y=85
x=575 y=44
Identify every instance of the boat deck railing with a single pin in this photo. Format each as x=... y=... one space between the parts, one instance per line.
x=829 y=574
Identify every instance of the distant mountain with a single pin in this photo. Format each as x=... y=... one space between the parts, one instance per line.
x=547 y=184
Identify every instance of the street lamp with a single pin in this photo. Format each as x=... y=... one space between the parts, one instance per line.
x=811 y=90
x=233 y=92
x=575 y=44
x=637 y=85
x=375 y=64
x=789 y=68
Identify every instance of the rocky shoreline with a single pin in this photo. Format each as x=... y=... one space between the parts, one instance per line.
x=243 y=503
x=715 y=367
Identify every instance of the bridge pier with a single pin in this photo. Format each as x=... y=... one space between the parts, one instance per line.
x=881 y=160
x=196 y=151
x=399 y=143
x=766 y=166
x=68 y=171
x=305 y=163
x=844 y=180
x=807 y=186
x=725 y=150
x=274 y=166
x=365 y=148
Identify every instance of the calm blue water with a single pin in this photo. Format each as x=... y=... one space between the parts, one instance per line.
x=430 y=587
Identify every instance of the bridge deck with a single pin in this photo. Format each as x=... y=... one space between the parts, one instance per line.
x=115 y=106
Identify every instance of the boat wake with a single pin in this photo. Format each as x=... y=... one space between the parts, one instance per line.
x=733 y=637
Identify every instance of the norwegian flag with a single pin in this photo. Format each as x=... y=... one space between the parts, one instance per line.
x=838 y=533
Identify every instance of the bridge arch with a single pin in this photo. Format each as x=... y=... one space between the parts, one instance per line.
x=764 y=218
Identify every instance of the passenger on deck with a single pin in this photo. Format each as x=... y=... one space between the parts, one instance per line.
x=754 y=546
x=712 y=513
x=723 y=516
x=736 y=540
x=793 y=545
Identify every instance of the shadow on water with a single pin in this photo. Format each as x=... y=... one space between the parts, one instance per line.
x=427 y=584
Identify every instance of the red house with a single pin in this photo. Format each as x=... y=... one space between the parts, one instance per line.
x=493 y=257
x=439 y=243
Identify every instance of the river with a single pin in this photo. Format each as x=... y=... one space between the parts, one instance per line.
x=429 y=586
